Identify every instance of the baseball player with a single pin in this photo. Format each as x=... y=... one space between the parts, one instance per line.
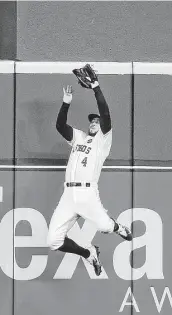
x=81 y=195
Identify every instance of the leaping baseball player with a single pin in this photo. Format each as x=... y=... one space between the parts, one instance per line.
x=81 y=195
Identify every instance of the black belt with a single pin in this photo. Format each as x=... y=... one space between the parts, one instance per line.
x=74 y=184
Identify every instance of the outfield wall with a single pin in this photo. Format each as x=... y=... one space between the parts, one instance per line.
x=36 y=280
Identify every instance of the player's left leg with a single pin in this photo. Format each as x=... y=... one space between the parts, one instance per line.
x=122 y=230
x=95 y=212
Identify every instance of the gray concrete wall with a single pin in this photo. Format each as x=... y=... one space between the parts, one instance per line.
x=93 y=30
x=8 y=29
x=152 y=117
x=6 y=118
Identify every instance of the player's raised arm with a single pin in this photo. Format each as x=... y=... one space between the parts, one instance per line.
x=61 y=124
x=87 y=78
x=105 y=120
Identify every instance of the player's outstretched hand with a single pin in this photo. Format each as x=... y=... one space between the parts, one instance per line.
x=67 y=94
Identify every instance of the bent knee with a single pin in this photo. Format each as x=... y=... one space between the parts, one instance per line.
x=106 y=226
x=54 y=242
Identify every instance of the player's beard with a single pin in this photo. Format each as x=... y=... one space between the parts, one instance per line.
x=92 y=134
x=92 y=131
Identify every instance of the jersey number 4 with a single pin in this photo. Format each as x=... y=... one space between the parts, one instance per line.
x=84 y=161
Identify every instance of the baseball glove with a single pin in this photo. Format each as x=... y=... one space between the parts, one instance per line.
x=85 y=76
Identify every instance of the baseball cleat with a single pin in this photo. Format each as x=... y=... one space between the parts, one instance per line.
x=94 y=260
x=124 y=232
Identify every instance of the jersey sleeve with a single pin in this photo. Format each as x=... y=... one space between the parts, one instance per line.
x=77 y=136
x=106 y=142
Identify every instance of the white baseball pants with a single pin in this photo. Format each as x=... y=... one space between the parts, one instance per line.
x=75 y=202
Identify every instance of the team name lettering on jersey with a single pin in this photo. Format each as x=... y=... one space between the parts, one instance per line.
x=82 y=148
x=87 y=156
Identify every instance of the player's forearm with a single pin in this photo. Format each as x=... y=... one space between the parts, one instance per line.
x=61 y=124
x=105 y=120
x=62 y=115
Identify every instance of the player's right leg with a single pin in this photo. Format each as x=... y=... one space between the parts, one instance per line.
x=61 y=222
x=64 y=217
x=91 y=254
x=69 y=246
x=59 y=241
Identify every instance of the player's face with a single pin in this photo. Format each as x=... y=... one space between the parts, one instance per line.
x=94 y=126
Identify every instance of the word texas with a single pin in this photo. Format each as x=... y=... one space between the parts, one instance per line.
x=151 y=240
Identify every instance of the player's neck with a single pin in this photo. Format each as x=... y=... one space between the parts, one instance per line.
x=92 y=134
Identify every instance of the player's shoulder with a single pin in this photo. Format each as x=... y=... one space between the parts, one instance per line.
x=104 y=139
x=78 y=135
x=105 y=135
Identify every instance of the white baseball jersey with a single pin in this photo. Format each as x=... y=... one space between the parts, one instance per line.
x=85 y=163
x=87 y=156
